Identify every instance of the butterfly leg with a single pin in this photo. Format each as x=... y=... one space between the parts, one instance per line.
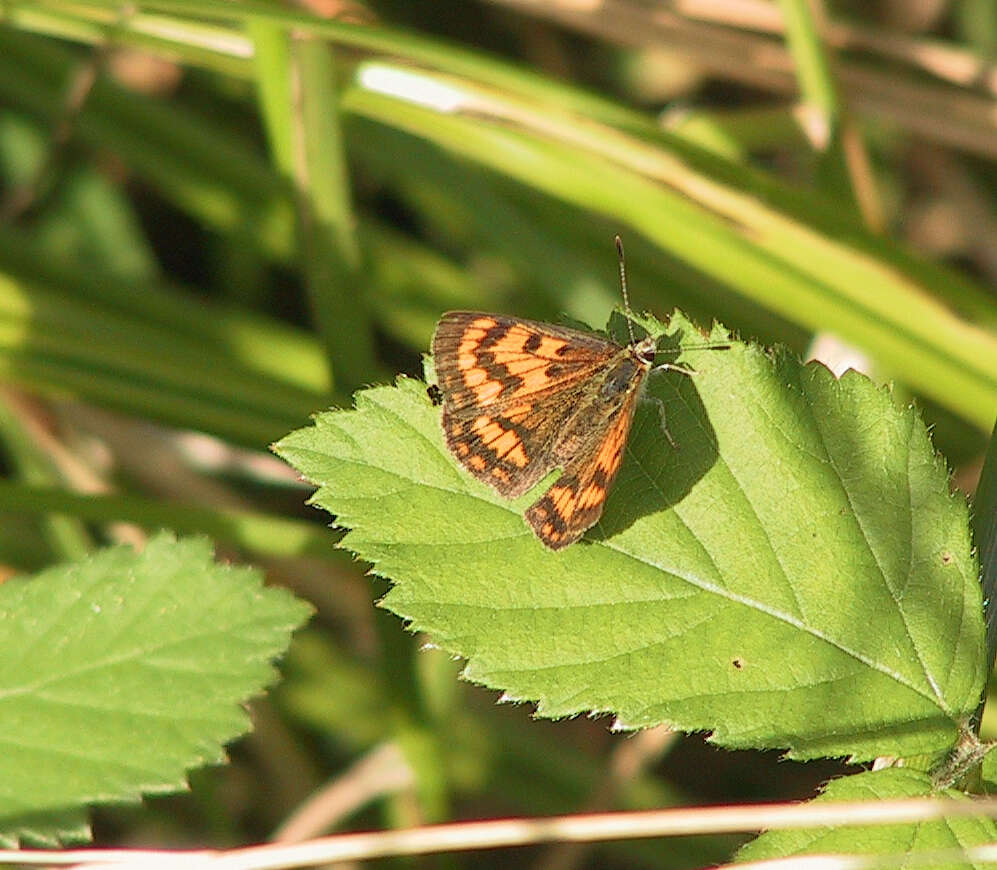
x=673 y=367
x=666 y=367
x=661 y=413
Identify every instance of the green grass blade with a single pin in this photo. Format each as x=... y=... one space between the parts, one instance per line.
x=985 y=535
x=330 y=254
x=266 y=535
x=813 y=71
x=272 y=57
x=67 y=537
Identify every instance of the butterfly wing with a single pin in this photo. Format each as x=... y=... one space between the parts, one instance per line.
x=575 y=502
x=513 y=448
x=486 y=360
x=510 y=388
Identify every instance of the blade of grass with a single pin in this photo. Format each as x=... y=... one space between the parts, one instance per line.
x=946 y=60
x=272 y=66
x=844 y=163
x=267 y=535
x=330 y=255
x=985 y=535
x=813 y=70
x=218 y=48
x=814 y=279
x=754 y=128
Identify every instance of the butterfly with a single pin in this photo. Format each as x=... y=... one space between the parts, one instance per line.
x=521 y=398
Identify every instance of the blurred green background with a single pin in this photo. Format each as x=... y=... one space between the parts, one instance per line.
x=219 y=217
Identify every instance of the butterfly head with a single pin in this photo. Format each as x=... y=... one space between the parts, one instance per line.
x=645 y=350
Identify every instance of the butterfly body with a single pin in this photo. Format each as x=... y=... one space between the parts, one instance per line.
x=521 y=398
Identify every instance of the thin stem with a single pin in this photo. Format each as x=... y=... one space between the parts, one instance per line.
x=502 y=833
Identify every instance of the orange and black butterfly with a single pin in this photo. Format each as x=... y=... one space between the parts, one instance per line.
x=521 y=398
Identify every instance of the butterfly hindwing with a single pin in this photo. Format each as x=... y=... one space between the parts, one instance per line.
x=575 y=501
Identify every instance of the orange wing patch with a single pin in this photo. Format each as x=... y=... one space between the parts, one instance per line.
x=504 y=443
x=531 y=366
x=493 y=450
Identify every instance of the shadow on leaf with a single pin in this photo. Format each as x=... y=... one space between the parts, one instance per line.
x=656 y=475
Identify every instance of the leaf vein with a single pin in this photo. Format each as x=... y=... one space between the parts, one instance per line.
x=787 y=618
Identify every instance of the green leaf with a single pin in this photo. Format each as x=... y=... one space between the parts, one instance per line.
x=795 y=574
x=895 y=840
x=121 y=672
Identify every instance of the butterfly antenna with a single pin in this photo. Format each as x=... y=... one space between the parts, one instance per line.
x=711 y=346
x=623 y=287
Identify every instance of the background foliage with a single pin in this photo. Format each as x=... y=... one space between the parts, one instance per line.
x=217 y=218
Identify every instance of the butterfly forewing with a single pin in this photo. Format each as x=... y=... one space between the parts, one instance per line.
x=509 y=387
x=487 y=360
